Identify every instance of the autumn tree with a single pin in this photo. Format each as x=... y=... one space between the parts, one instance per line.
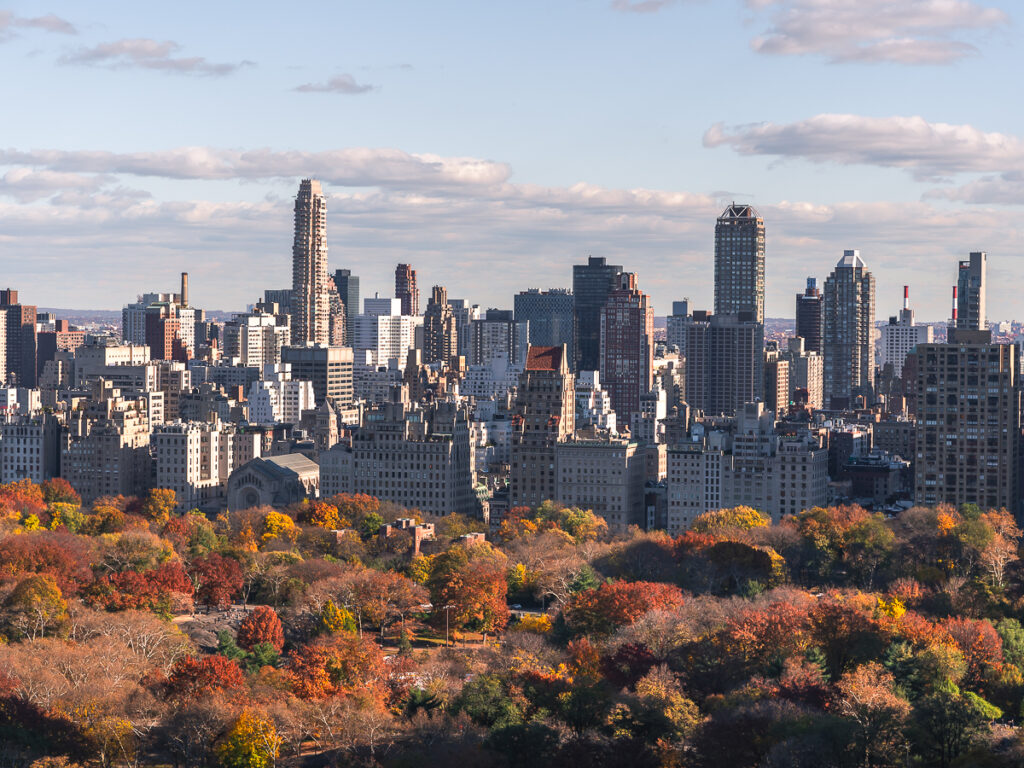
x=159 y=505
x=35 y=608
x=261 y=626
x=867 y=696
x=252 y=742
x=193 y=677
x=217 y=579
x=59 y=491
x=612 y=605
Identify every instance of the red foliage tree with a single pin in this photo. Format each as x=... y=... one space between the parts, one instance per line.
x=59 y=490
x=602 y=610
x=148 y=590
x=981 y=646
x=261 y=626
x=217 y=579
x=22 y=498
x=339 y=664
x=60 y=554
x=192 y=677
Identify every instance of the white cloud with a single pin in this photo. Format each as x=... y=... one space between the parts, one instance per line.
x=461 y=221
x=345 y=84
x=146 y=53
x=898 y=31
x=641 y=6
x=48 y=23
x=927 y=150
x=357 y=167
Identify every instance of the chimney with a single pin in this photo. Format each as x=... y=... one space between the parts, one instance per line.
x=906 y=297
x=184 y=289
x=954 y=305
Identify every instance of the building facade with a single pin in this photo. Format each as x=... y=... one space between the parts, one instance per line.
x=849 y=320
x=739 y=262
x=310 y=302
x=591 y=284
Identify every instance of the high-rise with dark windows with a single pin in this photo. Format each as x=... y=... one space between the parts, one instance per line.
x=550 y=315
x=809 y=316
x=591 y=284
x=739 y=262
x=348 y=289
x=970 y=296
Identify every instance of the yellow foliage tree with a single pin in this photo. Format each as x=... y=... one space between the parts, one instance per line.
x=278 y=525
x=252 y=742
x=742 y=518
x=159 y=504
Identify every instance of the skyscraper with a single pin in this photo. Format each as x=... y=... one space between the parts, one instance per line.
x=440 y=336
x=627 y=346
x=809 y=316
x=724 y=361
x=348 y=289
x=739 y=262
x=970 y=286
x=849 y=318
x=21 y=343
x=406 y=290
x=551 y=317
x=591 y=284
x=310 y=298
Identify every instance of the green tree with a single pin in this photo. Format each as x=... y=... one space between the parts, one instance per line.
x=946 y=722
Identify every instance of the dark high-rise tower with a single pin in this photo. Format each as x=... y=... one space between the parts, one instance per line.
x=550 y=317
x=348 y=289
x=406 y=290
x=809 y=317
x=310 y=297
x=591 y=284
x=627 y=346
x=970 y=297
x=20 y=348
x=739 y=262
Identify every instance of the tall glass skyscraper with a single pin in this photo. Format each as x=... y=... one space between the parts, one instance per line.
x=739 y=262
x=591 y=284
x=551 y=318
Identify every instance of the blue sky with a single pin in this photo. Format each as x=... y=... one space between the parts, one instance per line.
x=493 y=145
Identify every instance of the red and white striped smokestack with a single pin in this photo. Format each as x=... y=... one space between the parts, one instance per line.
x=954 y=304
x=906 y=297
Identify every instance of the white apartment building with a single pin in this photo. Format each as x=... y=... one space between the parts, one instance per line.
x=278 y=399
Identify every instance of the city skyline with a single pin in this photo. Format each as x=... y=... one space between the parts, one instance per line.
x=429 y=151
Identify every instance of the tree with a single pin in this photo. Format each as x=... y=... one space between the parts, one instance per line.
x=600 y=611
x=324 y=515
x=867 y=697
x=217 y=579
x=334 y=620
x=59 y=490
x=261 y=626
x=1002 y=549
x=370 y=525
x=252 y=742
x=159 y=504
x=947 y=721
x=338 y=664
x=738 y=518
x=193 y=677
x=981 y=646
x=35 y=608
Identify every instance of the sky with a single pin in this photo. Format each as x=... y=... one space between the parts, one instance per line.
x=493 y=145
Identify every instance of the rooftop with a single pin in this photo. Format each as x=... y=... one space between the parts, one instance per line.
x=544 y=358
